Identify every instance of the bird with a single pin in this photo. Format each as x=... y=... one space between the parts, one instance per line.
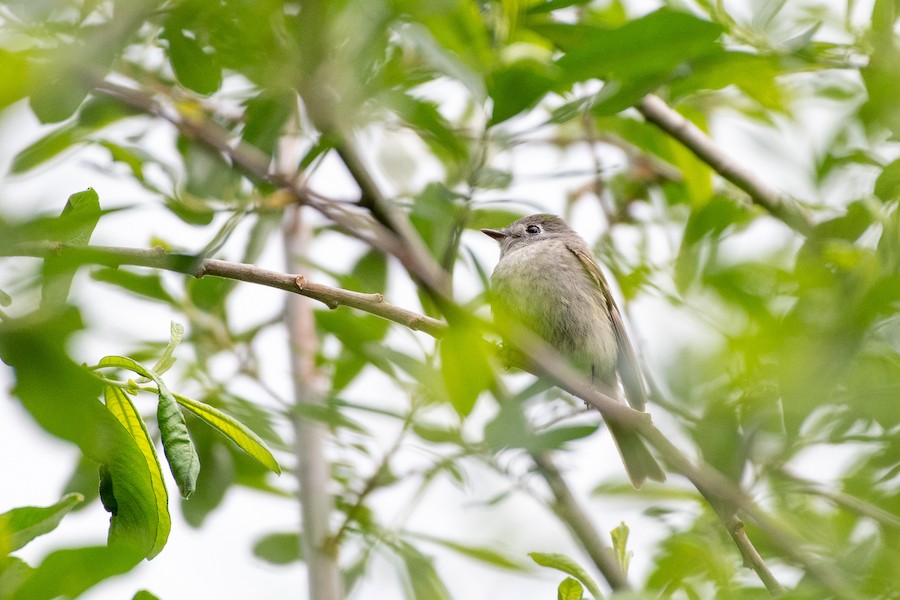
x=548 y=280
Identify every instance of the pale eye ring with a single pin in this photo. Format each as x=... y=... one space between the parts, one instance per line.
x=533 y=229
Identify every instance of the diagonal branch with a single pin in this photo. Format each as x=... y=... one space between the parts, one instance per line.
x=778 y=205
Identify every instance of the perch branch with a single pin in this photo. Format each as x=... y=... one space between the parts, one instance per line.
x=158 y=258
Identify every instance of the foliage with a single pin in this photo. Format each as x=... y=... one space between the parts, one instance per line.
x=779 y=343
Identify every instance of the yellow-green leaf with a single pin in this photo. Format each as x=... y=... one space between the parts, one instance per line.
x=120 y=405
x=234 y=430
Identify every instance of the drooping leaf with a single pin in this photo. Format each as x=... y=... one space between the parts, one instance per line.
x=67 y=405
x=177 y=444
x=120 y=405
x=179 y=450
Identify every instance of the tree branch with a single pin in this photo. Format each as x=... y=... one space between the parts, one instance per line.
x=778 y=205
x=579 y=523
x=158 y=258
x=313 y=467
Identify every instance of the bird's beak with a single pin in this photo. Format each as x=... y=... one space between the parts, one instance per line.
x=497 y=234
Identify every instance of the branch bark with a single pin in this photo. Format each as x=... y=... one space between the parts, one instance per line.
x=194 y=266
x=778 y=205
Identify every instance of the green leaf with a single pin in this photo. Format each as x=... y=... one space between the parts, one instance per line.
x=557 y=437
x=563 y=563
x=147 y=285
x=15 y=75
x=465 y=367
x=67 y=405
x=21 y=525
x=619 y=537
x=177 y=444
x=480 y=553
x=122 y=408
x=632 y=52
x=282 y=548
x=569 y=589
x=265 y=116
x=96 y=114
x=70 y=572
x=422 y=578
x=51 y=145
x=176 y=333
x=144 y=595
x=887 y=186
x=195 y=68
x=75 y=225
x=517 y=87
x=234 y=430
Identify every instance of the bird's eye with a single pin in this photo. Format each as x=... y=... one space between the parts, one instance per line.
x=532 y=229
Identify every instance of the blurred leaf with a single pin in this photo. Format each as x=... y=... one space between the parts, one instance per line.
x=368 y=275
x=15 y=68
x=147 y=285
x=144 y=595
x=848 y=226
x=282 y=548
x=488 y=556
x=438 y=435
x=545 y=6
x=265 y=118
x=195 y=68
x=217 y=476
x=630 y=53
x=563 y=563
x=556 y=438
x=887 y=186
x=423 y=581
x=96 y=114
x=21 y=525
x=208 y=173
x=165 y=362
x=465 y=367
x=569 y=589
x=191 y=211
x=75 y=225
x=232 y=429
x=517 y=87
x=619 y=536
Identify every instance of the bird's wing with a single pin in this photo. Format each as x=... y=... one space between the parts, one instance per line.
x=626 y=361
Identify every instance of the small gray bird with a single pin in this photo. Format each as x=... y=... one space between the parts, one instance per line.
x=547 y=280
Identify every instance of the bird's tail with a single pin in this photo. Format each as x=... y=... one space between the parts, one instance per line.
x=639 y=463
